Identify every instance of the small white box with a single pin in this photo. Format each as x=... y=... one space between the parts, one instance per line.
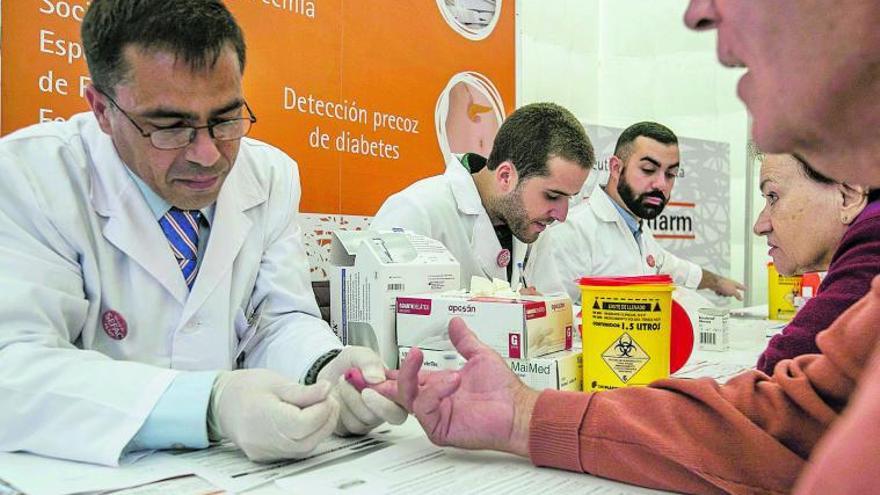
x=714 y=329
x=528 y=326
x=369 y=270
x=563 y=370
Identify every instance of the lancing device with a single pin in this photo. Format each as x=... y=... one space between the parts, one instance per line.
x=356 y=379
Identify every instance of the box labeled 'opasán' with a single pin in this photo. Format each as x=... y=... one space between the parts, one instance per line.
x=519 y=328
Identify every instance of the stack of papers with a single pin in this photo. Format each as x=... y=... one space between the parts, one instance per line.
x=222 y=467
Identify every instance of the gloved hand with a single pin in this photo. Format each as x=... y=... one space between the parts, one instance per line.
x=362 y=411
x=269 y=416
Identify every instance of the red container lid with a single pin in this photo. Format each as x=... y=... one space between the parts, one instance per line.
x=623 y=281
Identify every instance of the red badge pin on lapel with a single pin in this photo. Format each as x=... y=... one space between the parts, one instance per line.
x=503 y=258
x=114 y=325
x=650 y=260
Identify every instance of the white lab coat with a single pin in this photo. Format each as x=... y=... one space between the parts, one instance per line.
x=77 y=240
x=448 y=208
x=595 y=241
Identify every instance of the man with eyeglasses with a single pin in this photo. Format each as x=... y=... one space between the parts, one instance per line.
x=149 y=249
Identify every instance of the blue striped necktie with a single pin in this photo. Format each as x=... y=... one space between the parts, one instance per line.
x=181 y=227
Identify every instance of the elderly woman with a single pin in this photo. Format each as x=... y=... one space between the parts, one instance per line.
x=813 y=224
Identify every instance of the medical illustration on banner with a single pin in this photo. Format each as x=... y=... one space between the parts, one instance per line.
x=468 y=114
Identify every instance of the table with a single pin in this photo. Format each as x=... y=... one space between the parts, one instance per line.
x=748 y=337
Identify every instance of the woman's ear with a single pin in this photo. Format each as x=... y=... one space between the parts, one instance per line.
x=854 y=200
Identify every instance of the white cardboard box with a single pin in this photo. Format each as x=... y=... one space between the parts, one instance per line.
x=528 y=326
x=563 y=370
x=369 y=270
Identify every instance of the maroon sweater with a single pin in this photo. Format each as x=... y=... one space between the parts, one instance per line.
x=854 y=264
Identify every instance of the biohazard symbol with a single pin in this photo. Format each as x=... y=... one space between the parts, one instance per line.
x=625 y=357
x=625 y=346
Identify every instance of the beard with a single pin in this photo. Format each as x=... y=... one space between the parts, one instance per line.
x=510 y=208
x=637 y=205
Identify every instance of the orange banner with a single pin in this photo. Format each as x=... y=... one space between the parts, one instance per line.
x=368 y=96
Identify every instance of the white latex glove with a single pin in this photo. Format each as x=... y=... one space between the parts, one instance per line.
x=269 y=416
x=362 y=411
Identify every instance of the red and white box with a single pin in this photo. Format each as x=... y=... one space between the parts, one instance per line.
x=369 y=270
x=520 y=328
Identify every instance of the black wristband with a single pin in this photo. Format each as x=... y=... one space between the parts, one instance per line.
x=312 y=374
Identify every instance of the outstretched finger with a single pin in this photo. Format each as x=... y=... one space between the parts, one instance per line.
x=393 y=374
x=408 y=377
x=386 y=409
x=388 y=389
x=464 y=339
x=355 y=377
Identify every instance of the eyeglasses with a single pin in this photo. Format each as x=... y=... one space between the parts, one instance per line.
x=179 y=137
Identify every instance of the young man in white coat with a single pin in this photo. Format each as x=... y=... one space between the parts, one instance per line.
x=812 y=89
x=148 y=248
x=489 y=213
x=607 y=235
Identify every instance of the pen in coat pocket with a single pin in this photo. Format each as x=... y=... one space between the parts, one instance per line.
x=522 y=275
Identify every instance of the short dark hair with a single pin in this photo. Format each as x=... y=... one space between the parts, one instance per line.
x=651 y=130
x=195 y=30
x=537 y=132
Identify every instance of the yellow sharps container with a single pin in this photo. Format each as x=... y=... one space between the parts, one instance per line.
x=627 y=328
x=781 y=291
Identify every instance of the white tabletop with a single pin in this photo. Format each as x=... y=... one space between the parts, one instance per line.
x=357 y=466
